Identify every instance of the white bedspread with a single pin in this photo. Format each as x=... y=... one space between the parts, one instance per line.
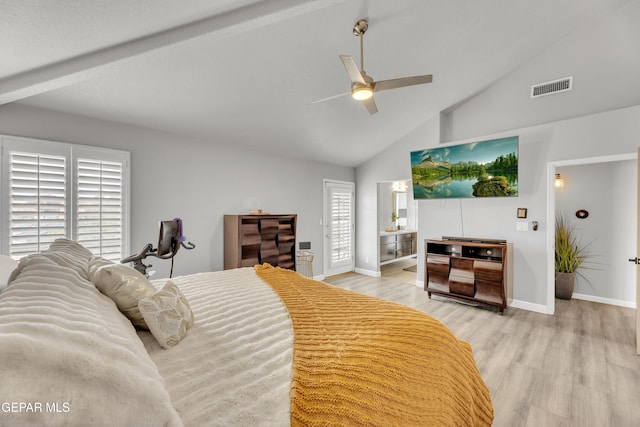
x=233 y=368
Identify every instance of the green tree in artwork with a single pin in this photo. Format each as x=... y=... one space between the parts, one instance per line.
x=482 y=173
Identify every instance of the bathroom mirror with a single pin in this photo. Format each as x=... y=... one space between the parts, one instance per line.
x=399 y=206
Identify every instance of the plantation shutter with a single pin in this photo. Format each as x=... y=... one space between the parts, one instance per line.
x=340 y=225
x=38 y=202
x=52 y=189
x=339 y=199
x=99 y=207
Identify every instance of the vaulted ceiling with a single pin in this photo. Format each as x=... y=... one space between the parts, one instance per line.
x=242 y=73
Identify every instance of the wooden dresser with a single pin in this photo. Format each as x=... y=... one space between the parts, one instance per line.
x=256 y=239
x=476 y=271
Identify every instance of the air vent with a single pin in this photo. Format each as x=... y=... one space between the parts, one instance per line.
x=555 y=86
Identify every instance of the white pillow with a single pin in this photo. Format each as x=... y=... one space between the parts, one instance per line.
x=65 y=344
x=167 y=314
x=125 y=286
x=7 y=265
x=95 y=262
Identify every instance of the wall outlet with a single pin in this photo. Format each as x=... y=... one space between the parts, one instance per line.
x=522 y=226
x=305 y=245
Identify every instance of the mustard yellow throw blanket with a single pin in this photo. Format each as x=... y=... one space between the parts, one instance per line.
x=359 y=360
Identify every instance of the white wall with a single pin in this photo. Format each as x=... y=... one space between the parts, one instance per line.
x=199 y=181
x=609 y=232
x=613 y=132
x=604 y=59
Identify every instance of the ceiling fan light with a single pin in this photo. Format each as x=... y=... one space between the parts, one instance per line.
x=362 y=93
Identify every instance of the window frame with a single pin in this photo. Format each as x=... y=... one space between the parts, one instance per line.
x=71 y=152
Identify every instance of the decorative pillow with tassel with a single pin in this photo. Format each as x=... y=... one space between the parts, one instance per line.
x=167 y=314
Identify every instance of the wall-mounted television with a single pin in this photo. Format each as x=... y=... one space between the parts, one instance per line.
x=472 y=170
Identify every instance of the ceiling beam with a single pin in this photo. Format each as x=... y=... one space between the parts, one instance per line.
x=92 y=64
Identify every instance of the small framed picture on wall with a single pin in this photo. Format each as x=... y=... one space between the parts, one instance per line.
x=522 y=212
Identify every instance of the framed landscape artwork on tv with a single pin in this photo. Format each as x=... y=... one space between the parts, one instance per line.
x=477 y=169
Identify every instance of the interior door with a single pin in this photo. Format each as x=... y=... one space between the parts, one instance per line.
x=635 y=259
x=339 y=226
x=637 y=254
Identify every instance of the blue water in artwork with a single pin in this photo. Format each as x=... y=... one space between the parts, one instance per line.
x=450 y=190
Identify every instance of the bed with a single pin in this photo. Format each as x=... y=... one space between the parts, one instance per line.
x=84 y=341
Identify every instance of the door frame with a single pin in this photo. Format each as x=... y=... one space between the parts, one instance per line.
x=326 y=252
x=551 y=216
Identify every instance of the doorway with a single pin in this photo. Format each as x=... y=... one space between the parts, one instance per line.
x=339 y=227
x=605 y=187
x=397 y=230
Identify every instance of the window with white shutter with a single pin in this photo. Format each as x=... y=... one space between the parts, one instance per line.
x=37 y=201
x=99 y=207
x=53 y=190
x=339 y=227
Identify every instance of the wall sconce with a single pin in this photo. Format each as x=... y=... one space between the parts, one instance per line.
x=559 y=182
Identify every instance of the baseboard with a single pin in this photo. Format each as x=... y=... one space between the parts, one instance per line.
x=371 y=273
x=524 y=305
x=610 y=301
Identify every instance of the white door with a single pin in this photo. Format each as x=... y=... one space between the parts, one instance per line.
x=637 y=254
x=339 y=226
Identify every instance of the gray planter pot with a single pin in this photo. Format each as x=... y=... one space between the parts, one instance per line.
x=564 y=285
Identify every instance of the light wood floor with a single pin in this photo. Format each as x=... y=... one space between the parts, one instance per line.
x=576 y=368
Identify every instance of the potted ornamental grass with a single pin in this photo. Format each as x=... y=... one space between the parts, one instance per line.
x=569 y=257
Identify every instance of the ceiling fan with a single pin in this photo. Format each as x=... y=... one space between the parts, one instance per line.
x=362 y=85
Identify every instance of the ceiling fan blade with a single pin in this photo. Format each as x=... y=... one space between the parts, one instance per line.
x=402 y=82
x=328 y=98
x=352 y=69
x=370 y=104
